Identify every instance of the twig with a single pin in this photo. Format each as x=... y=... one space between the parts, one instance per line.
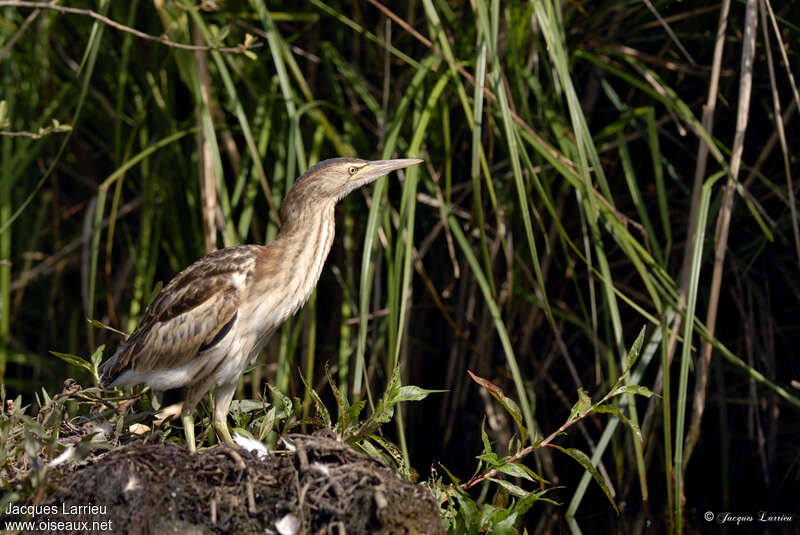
x=545 y=442
x=251 y=499
x=33 y=135
x=239 y=49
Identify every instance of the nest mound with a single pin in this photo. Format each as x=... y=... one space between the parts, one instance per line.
x=322 y=486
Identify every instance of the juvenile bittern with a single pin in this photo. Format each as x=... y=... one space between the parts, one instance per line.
x=214 y=317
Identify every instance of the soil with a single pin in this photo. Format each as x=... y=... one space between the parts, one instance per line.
x=318 y=486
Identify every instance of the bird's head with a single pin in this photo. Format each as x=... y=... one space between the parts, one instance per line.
x=330 y=180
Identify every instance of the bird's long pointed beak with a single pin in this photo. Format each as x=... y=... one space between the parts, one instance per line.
x=377 y=168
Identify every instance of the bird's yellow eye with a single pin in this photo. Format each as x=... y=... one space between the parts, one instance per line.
x=352 y=170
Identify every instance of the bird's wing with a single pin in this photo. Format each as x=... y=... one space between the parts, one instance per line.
x=191 y=314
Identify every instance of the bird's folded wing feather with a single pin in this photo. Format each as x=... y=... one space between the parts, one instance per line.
x=189 y=315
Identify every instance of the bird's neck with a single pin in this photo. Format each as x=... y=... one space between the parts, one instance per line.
x=304 y=241
x=308 y=228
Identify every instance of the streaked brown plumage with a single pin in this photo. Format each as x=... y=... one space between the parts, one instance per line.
x=213 y=318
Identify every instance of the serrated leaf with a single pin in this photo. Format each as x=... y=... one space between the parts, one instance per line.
x=323 y=411
x=321 y=408
x=586 y=462
x=342 y=404
x=393 y=387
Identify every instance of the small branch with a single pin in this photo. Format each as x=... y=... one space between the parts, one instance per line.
x=239 y=49
x=494 y=472
x=37 y=135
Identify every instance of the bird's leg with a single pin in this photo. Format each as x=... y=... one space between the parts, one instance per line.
x=221 y=406
x=188 y=430
x=193 y=395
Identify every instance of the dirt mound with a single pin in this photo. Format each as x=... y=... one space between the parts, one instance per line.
x=319 y=485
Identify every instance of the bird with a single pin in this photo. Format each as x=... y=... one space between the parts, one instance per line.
x=207 y=324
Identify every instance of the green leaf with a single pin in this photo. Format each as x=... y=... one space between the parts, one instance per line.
x=488 y=454
x=612 y=409
x=508 y=404
x=453 y=479
x=415 y=393
x=99 y=325
x=489 y=458
x=282 y=402
x=506 y=526
x=522 y=505
x=639 y=390
x=586 y=462
x=267 y=424
x=95 y=359
x=74 y=360
x=394 y=452
x=636 y=348
x=342 y=404
x=351 y=416
x=321 y=408
x=514 y=470
x=583 y=405
x=242 y=407
x=510 y=487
